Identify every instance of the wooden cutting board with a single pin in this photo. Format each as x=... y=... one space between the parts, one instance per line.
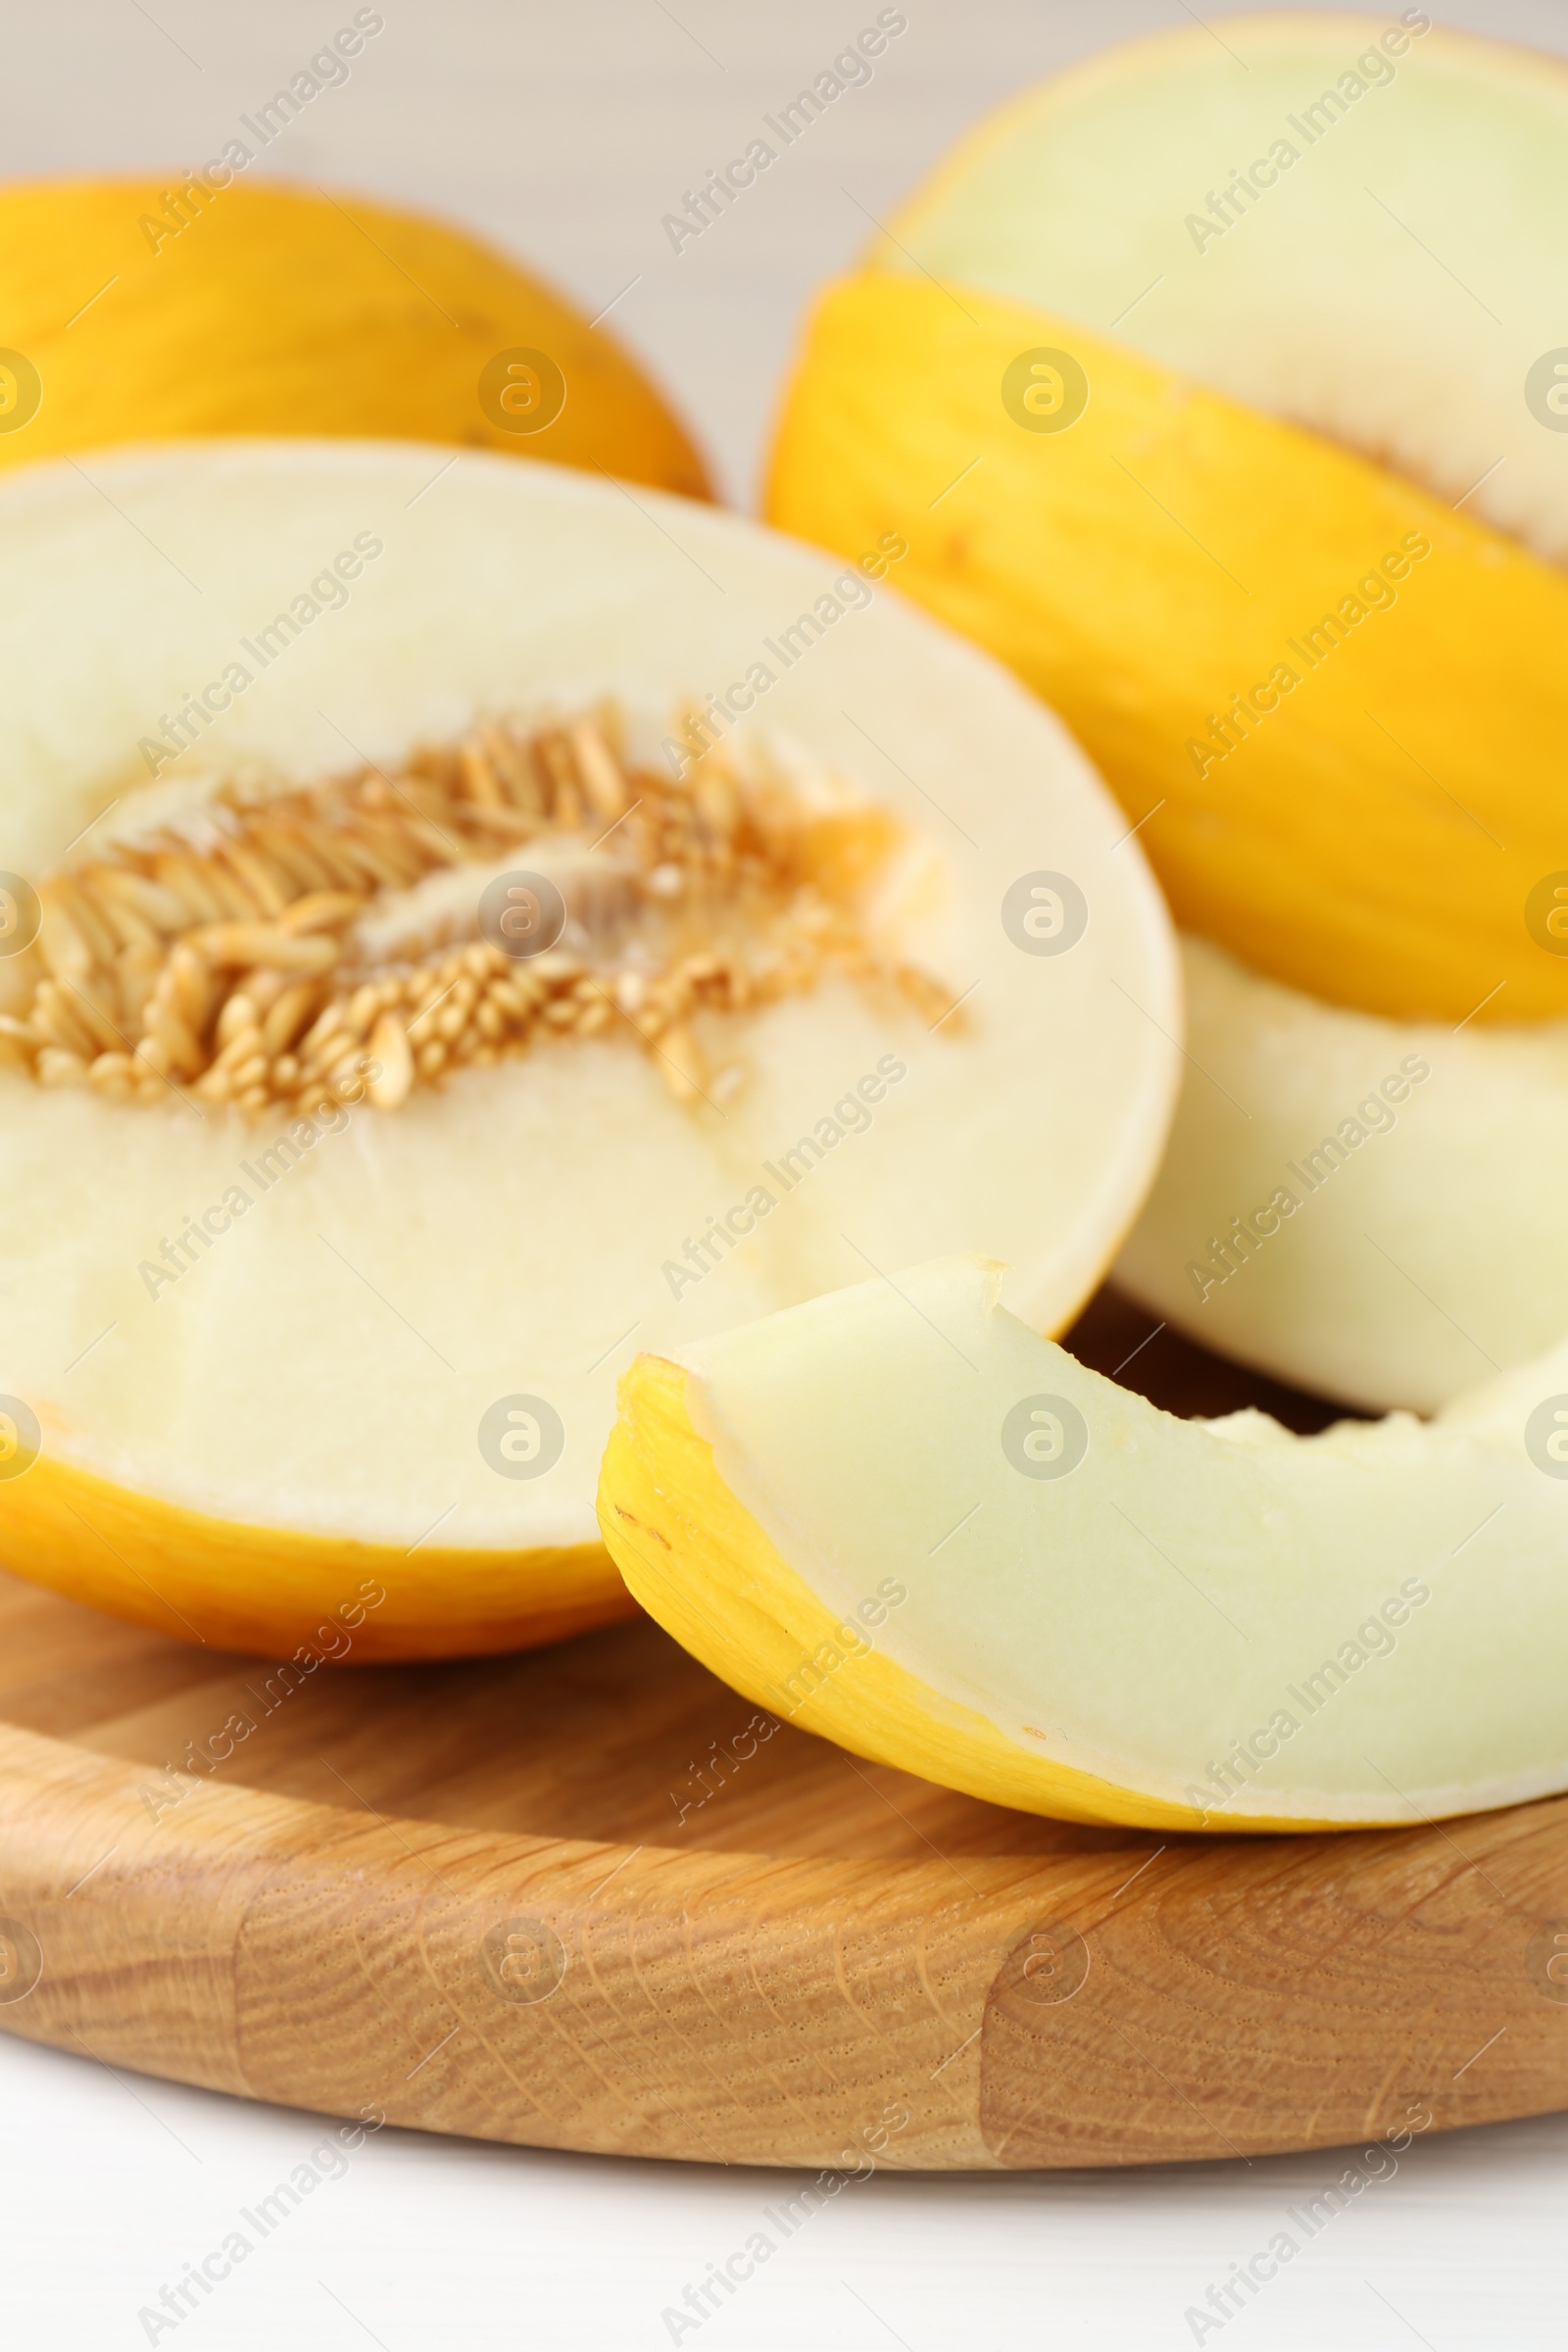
x=587 y=1899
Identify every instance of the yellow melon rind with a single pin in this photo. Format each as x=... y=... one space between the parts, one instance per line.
x=273 y=1589
x=1164 y=556
x=273 y=309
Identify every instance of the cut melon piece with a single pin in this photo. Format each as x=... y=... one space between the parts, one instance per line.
x=327 y=1219
x=898 y=1518
x=141 y=311
x=1280 y=533
x=1370 y=1208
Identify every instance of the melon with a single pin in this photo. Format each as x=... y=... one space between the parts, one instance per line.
x=1217 y=403
x=899 y=1518
x=1368 y=1209
x=208 y=302
x=465 y=922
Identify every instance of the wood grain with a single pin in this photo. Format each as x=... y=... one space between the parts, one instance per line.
x=577 y=1900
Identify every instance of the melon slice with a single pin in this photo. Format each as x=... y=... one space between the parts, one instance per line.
x=903 y=1520
x=1281 y=535
x=489 y=920
x=1370 y=1208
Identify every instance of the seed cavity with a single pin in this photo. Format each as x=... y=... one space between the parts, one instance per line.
x=294 y=943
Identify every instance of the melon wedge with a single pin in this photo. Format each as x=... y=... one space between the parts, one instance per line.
x=903 y=1520
x=1369 y=1208
x=1290 y=568
x=320 y=1261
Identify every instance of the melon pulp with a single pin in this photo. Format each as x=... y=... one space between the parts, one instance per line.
x=140 y=310
x=899 y=1518
x=1369 y=1208
x=1291 y=372
x=263 y=1343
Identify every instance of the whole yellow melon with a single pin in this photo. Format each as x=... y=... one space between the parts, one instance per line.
x=134 y=310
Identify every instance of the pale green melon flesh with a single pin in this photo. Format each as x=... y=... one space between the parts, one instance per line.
x=1422 y=1243
x=1385 y=1604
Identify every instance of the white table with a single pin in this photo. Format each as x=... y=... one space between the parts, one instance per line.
x=566 y=131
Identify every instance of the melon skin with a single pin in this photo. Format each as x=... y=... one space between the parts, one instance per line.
x=1260 y=411
x=898 y=1518
x=300 y=1410
x=314 y=1600
x=1214 y=671
x=260 y=307
x=1409 y=1176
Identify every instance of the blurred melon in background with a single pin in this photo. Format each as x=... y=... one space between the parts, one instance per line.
x=138 y=309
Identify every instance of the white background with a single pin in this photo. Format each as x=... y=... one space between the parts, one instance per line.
x=564 y=132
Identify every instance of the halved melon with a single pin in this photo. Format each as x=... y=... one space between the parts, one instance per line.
x=208 y=302
x=488 y=921
x=901 y=1519
x=1370 y=1208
